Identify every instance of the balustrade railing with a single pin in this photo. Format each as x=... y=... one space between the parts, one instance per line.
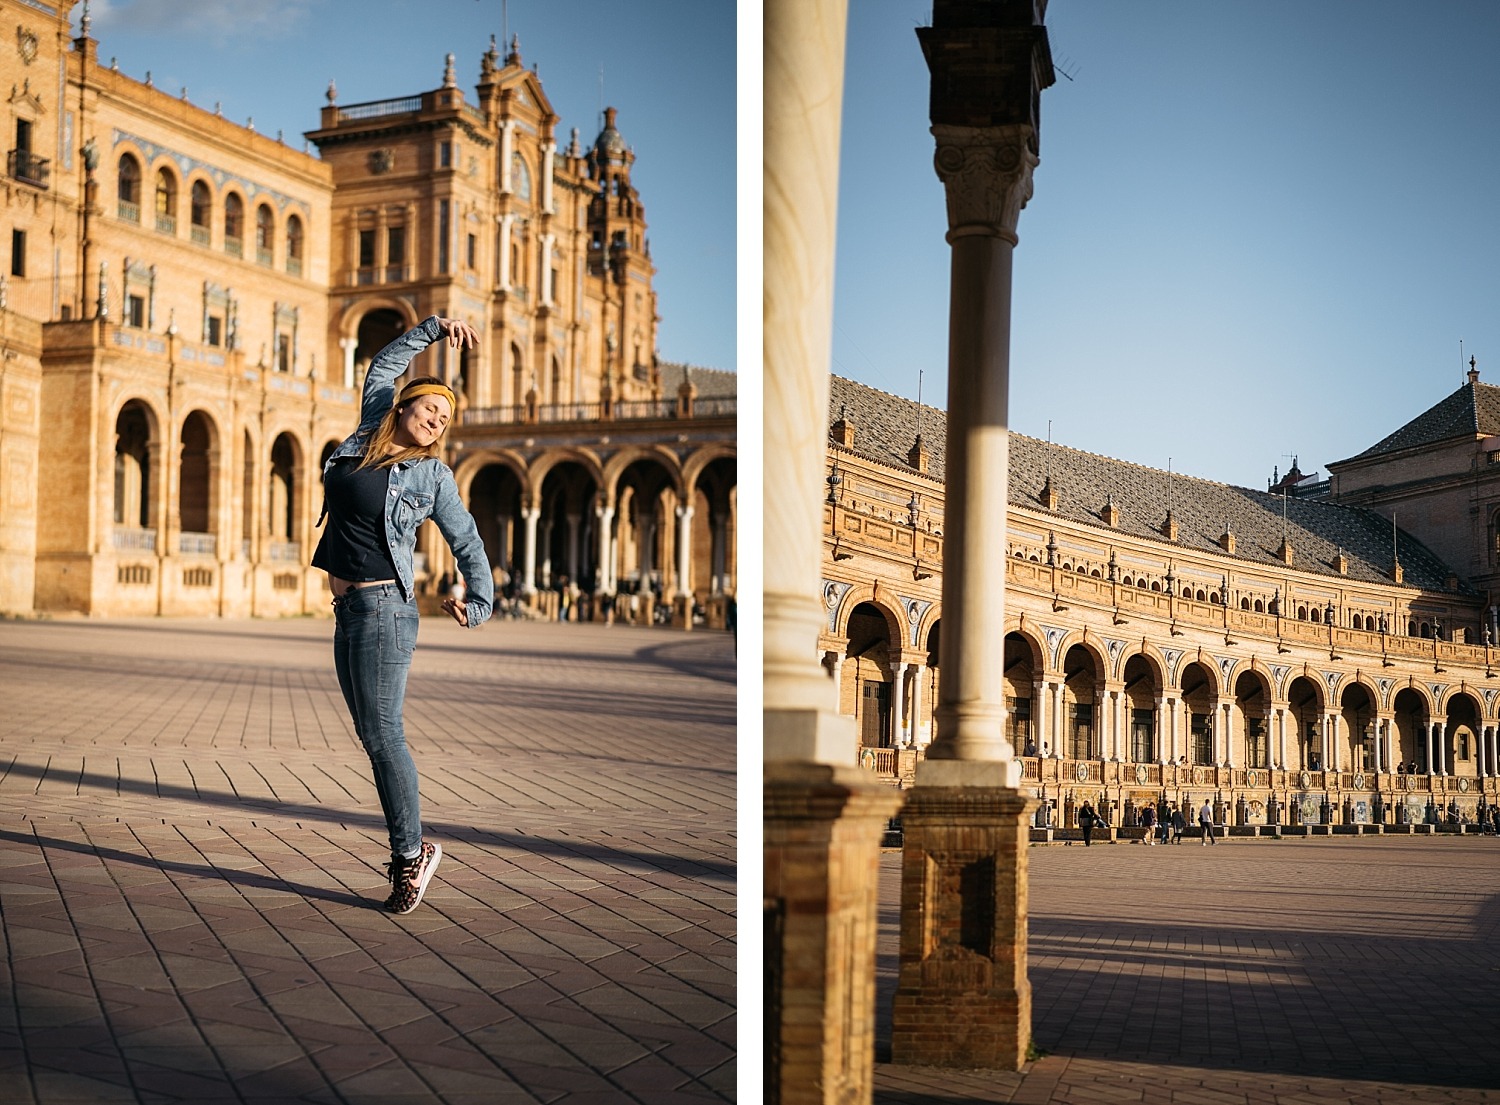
x=634 y=410
x=284 y=552
x=197 y=544
x=376 y=108
x=134 y=538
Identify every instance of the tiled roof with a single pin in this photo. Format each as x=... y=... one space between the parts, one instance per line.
x=712 y=383
x=885 y=426
x=1471 y=410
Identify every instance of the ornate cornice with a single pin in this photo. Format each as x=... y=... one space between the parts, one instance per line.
x=986 y=173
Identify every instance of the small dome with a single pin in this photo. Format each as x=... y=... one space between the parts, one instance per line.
x=609 y=143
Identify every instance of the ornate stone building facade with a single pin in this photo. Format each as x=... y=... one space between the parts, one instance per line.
x=1294 y=658
x=187 y=308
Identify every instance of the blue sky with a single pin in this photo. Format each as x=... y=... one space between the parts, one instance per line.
x=669 y=67
x=1258 y=228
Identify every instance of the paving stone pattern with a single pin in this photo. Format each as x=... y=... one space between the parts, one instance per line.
x=1298 y=972
x=191 y=851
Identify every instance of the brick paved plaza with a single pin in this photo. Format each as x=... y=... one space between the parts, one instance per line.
x=190 y=851
x=1293 y=972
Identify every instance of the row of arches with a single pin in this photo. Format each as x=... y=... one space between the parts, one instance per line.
x=1312 y=613
x=230 y=213
x=638 y=521
x=1154 y=712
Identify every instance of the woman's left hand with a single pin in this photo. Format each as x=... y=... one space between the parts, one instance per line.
x=456 y=610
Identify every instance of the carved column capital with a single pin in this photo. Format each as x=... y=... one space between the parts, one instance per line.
x=986 y=173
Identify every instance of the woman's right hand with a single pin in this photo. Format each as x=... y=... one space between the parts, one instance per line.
x=460 y=334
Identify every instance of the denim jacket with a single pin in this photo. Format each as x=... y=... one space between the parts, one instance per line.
x=421 y=488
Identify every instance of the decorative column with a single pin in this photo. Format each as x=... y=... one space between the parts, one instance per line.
x=506 y=276
x=549 y=155
x=962 y=997
x=917 y=671
x=684 y=549
x=603 y=578
x=1429 y=764
x=824 y=818
x=507 y=149
x=1041 y=694
x=898 y=701
x=528 y=578
x=1442 y=748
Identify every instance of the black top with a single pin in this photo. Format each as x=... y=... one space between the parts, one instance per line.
x=354 y=546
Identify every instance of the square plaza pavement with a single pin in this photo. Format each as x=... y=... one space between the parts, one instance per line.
x=1298 y=972
x=191 y=858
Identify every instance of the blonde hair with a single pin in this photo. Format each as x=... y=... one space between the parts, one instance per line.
x=378 y=452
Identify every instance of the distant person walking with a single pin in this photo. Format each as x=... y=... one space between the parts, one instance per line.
x=1206 y=819
x=379 y=486
x=1086 y=819
x=1148 y=819
x=1179 y=824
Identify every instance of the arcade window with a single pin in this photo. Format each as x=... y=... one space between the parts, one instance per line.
x=18 y=253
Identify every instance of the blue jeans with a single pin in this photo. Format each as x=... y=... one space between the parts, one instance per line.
x=375 y=632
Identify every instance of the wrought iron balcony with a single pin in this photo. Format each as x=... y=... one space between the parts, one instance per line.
x=28 y=168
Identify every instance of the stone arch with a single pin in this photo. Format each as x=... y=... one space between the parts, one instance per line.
x=1359 y=710
x=166 y=194
x=616 y=466
x=284 y=490
x=1143 y=678
x=1201 y=689
x=235 y=211
x=1084 y=672
x=1254 y=694
x=198 y=466
x=1078 y=639
x=201 y=202
x=869 y=596
x=1306 y=697
x=473 y=463
x=645 y=486
x=873 y=636
x=1023 y=661
x=539 y=468
x=1463 y=717
x=349 y=321
x=701 y=457
x=137 y=447
x=1411 y=711
x=130 y=180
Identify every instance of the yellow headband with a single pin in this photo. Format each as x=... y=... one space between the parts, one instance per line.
x=411 y=391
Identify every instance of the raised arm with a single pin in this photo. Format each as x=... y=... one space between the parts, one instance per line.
x=392 y=361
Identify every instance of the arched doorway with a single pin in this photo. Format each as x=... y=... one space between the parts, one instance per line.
x=495 y=503
x=132 y=507
x=567 y=529
x=377 y=329
x=1142 y=689
x=1357 y=725
x=1081 y=694
x=1198 y=704
x=867 y=660
x=1411 y=731
x=1020 y=690
x=1460 y=736
x=713 y=532
x=644 y=498
x=281 y=502
x=1252 y=701
x=1305 y=706
x=195 y=485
